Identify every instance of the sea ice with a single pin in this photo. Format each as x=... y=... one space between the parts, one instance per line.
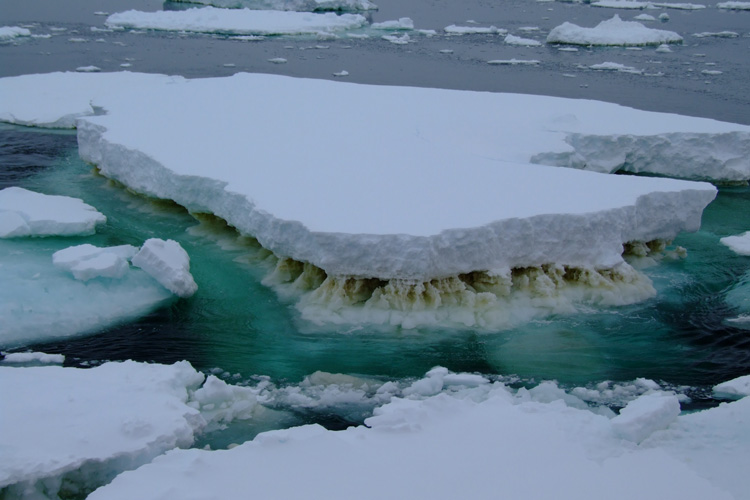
x=734 y=5
x=645 y=415
x=424 y=442
x=331 y=223
x=298 y=5
x=31 y=358
x=27 y=213
x=473 y=30
x=86 y=261
x=103 y=420
x=736 y=388
x=237 y=21
x=613 y=31
x=525 y=42
x=10 y=32
x=739 y=243
x=168 y=263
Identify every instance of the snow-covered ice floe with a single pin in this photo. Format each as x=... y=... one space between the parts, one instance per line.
x=8 y=33
x=84 y=288
x=739 y=243
x=296 y=5
x=633 y=4
x=237 y=21
x=734 y=5
x=458 y=434
x=735 y=389
x=453 y=213
x=613 y=31
x=75 y=429
x=27 y=213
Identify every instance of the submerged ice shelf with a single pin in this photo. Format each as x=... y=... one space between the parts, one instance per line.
x=352 y=189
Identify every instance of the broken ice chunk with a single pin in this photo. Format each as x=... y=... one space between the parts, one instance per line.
x=169 y=264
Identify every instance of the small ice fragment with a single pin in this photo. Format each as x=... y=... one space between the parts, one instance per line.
x=169 y=264
x=277 y=60
x=739 y=244
x=88 y=69
x=87 y=262
x=735 y=389
x=341 y=73
x=646 y=415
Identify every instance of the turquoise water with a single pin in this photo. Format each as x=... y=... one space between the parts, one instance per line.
x=236 y=326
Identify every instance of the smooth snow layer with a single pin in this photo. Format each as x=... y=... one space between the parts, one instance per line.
x=27 y=213
x=613 y=31
x=456 y=436
x=451 y=192
x=87 y=262
x=59 y=421
x=739 y=244
x=236 y=22
x=735 y=388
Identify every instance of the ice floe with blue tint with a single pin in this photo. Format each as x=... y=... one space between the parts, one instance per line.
x=613 y=31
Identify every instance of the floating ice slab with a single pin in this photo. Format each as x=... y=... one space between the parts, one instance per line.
x=58 y=421
x=739 y=244
x=445 y=445
x=86 y=261
x=614 y=31
x=237 y=21
x=735 y=388
x=734 y=5
x=27 y=213
x=298 y=5
x=10 y=32
x=645 y=415
x=454 y=190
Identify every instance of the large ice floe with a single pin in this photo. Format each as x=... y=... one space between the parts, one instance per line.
x=238 y=22
x=445 y=435
x=613 y=31
x=296 y=5
x=442 y=214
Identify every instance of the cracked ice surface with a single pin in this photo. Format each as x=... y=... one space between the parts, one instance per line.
x=359 y=187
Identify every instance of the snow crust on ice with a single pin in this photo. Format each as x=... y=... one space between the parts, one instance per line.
x=237 y=21
x=10 y=32
x=736 y=388
x=28 y=213
x=168 y=263
x=739 y=244
x=613 y=31
x=462 y=426
x=297 y=5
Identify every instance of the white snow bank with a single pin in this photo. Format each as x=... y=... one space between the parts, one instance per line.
x=10 y=32
x=168 y=263
x=613 y=31
x=736 y=388
x=78 y=423
x=237 y=21
x=734 y=5
x=739 y=244
x=481 y=440
x=298 y=5
x=645 y=415
x=27 y=213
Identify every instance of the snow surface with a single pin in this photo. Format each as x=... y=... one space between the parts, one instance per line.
x=525 y=42
x=458 y=435
x=739 y=243
x=408 y=234
x=27 y=213
x=87 y=262
x=24 y=358
x=613 y=31
x=237 y=22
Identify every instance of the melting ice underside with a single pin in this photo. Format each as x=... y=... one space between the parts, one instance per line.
x=445 y=205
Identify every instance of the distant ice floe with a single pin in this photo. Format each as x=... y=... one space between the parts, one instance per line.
x=27 y=213
x=514 y=62
x=739 y=244
x=403 y=258
x=442 y=427
x=734 y=5
x=612 y=66
x=734 y=389
x=295 y=5
x=526 y=42
x=474 y=30
x=8 y=33
x=613 y=31
x=237 y=22
x=633 y=4
x=31 y=359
